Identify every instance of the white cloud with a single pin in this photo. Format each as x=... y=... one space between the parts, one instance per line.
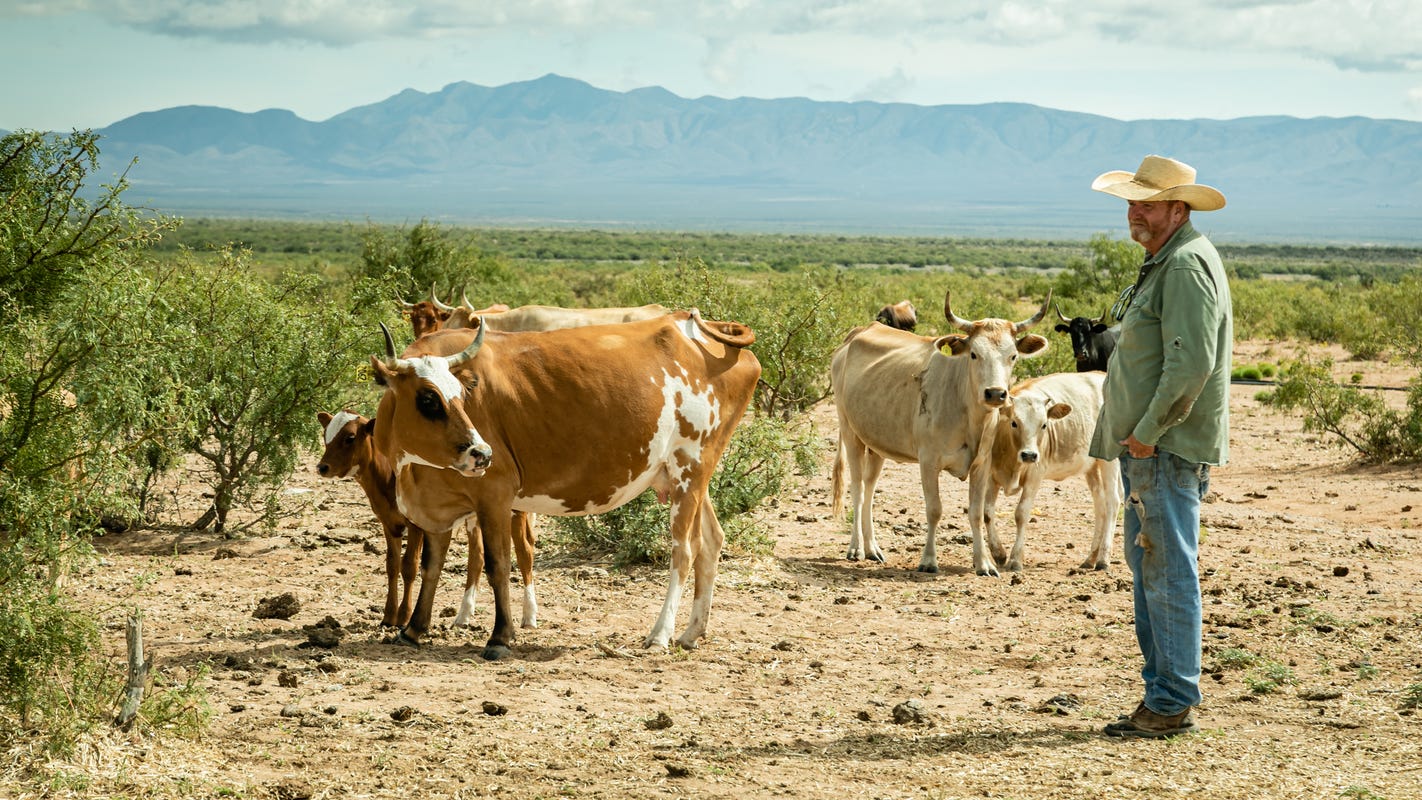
x=1351 y=34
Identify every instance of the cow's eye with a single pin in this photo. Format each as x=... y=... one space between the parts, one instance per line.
x=350 y=439
x=973 y=355
x=1014 y=423
x=428 y=403
x=471 y=381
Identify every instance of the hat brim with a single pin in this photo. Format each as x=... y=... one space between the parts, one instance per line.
x=1123 y=184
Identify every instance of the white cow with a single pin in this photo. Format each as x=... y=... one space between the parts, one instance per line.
x=925 y=400
x=548 y=318
x=1044 y=433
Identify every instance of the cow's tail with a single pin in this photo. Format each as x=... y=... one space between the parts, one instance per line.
x=734 y=334
x=837 y=481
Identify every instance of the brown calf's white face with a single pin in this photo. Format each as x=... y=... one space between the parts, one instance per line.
x=343 y=433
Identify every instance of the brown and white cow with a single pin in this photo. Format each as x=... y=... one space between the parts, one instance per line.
x=1044 y=433
x=350 y=453
x=901 y=315
x=924 y=400
x=566 y=422
x=547 y=318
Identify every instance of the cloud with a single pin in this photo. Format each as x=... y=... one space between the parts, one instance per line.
x=886 y=88
x=1367 y=35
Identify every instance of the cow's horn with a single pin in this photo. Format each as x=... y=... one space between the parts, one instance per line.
x=962 y=324
x=464 y=298
x=1101 y=318
x=470 y=351
x=435 y=299
x=1060 y=315
x=389 y=345
x=1036 y=318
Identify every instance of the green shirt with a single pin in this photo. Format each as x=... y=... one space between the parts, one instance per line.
x=1168 y=379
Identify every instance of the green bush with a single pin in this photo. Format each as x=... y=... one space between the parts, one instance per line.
x=74 y=301
x=1355 y=417
x=261 y=359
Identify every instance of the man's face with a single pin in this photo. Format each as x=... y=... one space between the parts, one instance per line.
x=1154 y=222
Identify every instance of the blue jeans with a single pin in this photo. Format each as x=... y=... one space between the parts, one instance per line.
x=1162 y=543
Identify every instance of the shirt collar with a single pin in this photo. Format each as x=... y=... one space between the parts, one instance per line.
x=1185 y=233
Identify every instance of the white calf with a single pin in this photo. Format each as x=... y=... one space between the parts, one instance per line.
x=1044 y=433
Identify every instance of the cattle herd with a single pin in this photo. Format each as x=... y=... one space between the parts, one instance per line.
x=495 y=415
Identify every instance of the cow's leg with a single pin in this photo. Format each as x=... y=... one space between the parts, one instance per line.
x=1105 y=485
x=496 y=526
x=394 y=615
x=685 y=546
x=707 y=561
x=933 y=510
x=431 y=563
x=473 y=565
x=523 y=541
x=1022 y=516
x=864 y=468
x=983 y=564
x=409 y=566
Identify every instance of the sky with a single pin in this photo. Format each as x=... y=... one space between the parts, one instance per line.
x=89 y=63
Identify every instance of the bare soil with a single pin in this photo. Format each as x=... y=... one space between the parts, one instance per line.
x=821 y=678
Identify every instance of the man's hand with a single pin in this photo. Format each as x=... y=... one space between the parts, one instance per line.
x=1138 y=449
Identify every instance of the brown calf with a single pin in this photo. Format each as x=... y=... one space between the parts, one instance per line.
x=350 y=453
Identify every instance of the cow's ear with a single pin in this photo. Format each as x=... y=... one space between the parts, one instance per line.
x=369 y=426
x=1062 y=328
x=1058 y=411
x=1032 y=345
x=1099 y=327
x=323 y=418
x=381 y=372
x=951 y=345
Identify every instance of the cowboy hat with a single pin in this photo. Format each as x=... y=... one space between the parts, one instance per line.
x=1160 y=178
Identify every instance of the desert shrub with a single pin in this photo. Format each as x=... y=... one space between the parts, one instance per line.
x=261 y=358
x=428 y=258
x=74 y=300
x=1353 y=416
x=1096 y=280
x=758 y=465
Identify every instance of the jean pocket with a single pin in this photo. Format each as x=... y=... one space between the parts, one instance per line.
x=1187 y=475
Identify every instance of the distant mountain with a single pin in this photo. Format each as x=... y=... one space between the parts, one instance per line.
x=557 y=151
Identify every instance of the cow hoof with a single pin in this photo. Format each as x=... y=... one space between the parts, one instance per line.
x=877 y=556
x=402 y=639
x=988 y=572
x=496 y=652
x=931 y=569
x=851 y=556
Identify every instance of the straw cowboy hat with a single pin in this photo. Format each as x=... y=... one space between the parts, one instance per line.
x=1161 y=178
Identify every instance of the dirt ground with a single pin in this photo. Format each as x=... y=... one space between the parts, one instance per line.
x=821 y=678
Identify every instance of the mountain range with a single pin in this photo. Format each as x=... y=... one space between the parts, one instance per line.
x=559 y=152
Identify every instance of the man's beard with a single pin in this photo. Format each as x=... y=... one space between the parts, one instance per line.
x=1140 y=233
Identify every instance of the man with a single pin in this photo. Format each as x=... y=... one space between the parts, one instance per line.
x=1166 y=417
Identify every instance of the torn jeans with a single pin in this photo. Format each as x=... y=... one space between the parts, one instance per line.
x=1162 y=543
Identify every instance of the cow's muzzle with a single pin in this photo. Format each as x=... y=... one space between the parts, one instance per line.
x=473 y=459
x=994 y=397
x=1028 y=456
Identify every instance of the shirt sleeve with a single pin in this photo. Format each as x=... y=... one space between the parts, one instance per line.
x=1189 y=312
